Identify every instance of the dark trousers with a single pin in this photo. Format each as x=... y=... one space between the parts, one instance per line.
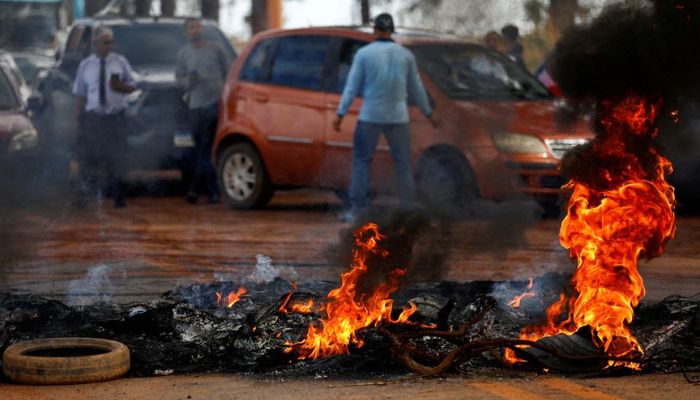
x=203 y=125
x=364 y=144
x=101 y=152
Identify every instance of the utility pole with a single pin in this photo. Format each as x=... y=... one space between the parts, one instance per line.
x=364 y=11
x=265 y=14
x=167 y=8
x=210 y=9
x=562 y=14
x=258 y=16
x=143 y=8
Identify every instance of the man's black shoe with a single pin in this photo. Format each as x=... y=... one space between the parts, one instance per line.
x=191 y=197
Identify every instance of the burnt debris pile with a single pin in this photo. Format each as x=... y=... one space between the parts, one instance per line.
x=456 y=327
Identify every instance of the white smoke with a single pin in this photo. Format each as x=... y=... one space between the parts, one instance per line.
x=265 y=272
x=94 y=287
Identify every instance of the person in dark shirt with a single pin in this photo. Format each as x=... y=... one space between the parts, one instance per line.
x=511 y=38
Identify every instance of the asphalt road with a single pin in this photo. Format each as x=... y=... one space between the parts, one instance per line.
x=159 y=241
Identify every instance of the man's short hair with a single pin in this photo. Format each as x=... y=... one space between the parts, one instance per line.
x=191 y=19
x=384 y=23
x=510 y=32
x=100 y=31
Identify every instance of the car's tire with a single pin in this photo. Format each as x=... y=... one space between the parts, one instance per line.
x=243 y=178
x=445 y=183
x=52 y=361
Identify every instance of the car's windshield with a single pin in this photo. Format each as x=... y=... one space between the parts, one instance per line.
x=8 y=98
x=26 y=32
x=149 y=45
x=470 y=72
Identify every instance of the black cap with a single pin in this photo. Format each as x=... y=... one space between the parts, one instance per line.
x=384 y=22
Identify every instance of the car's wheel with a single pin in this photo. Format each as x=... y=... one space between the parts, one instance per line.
x=446 y=184
x=65 y=361
x=243 y=178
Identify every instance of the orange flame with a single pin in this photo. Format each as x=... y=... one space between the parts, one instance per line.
x=608 y=229
x=346 y=310
x=515 y=303
x=232 y=298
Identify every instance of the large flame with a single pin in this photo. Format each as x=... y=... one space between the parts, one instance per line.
x=346 y=311
x=624 y=212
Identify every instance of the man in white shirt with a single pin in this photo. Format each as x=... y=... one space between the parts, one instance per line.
x=103 y=81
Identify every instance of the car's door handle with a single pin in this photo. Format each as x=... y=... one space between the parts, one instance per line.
x=261 y=98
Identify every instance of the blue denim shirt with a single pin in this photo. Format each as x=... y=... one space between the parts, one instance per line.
x=385 y=75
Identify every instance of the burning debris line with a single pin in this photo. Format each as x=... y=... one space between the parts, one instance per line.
x=321 y=328
x=177 y=332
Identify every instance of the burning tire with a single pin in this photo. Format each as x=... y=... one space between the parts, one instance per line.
x=243 y=178
x=65 y=361
x=445 y=183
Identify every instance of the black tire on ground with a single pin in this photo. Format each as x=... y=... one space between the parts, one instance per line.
x=445 y=183
x=58 y=361
x=243 y=179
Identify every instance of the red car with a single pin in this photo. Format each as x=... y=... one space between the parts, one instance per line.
x=496 y=137
x=18 y=138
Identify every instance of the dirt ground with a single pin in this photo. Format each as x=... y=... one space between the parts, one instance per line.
x=657 y=386
x=159 y=242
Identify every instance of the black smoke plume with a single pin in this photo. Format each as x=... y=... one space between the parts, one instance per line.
x=635 y=49
x=649 y=48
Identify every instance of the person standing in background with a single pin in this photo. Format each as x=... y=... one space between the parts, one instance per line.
x=101 y=86
x=494 y=41
x=513 y=47
x=201 y=71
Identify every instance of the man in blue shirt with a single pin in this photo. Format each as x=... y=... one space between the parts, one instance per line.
x=103 y=81
x=385 y=75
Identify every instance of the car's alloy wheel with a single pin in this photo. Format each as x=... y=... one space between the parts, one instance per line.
x=243 y=177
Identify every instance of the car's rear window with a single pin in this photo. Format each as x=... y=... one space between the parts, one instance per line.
x=8 y=98
x=148 y=45
x=471 y=72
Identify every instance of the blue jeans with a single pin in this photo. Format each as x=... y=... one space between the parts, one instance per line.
x=364 y=144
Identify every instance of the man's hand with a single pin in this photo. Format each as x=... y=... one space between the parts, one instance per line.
x=336 y=123
x=433 y=121
x=121 y=87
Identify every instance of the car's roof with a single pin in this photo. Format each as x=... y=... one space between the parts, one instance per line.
x=110 y=20
x=402 y=35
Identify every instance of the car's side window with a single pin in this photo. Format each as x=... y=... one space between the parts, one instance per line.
x=300 y=61
x=348 y=48
x=73 y=41
x=255 y=67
